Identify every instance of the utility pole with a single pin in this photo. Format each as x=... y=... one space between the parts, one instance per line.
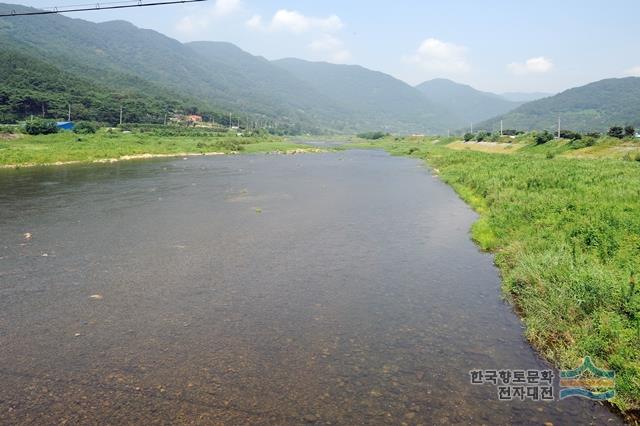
x=448 y=133
x=121 y=115
x=43 y=110
x=69 y=115
x=558 y=126
x=471 y=127
x=165 y=118
x=501 y=128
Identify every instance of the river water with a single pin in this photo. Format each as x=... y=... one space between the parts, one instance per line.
x=337 y=288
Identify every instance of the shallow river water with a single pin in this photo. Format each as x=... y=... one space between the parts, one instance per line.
x=337 y=288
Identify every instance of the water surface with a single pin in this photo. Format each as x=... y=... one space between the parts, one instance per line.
x=336 y=288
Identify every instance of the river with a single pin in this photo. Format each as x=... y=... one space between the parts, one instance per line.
x=336 y=288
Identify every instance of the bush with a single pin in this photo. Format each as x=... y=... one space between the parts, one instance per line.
x=512 y=132
x=616 y=132
x=40 y=127
x=542 y=138
x=629 y=131
x=469 y=137
x=571 y=135
x=8 y=129
x=86 y=127
x=482 y=136
x=583 y=142
x=372 y=135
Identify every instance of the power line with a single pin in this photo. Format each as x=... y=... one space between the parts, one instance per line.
x=95 y=7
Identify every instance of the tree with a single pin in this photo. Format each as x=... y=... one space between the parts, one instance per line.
x=468 y=137
x=571 y=135
x=629 y=131
x=544 y=137
x=40 y=127
x=482 y=136
x=372 y=135
x=86 y=127
x=512 y=132
x=616 y=132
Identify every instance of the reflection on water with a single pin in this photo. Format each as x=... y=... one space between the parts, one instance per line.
x=329 y=288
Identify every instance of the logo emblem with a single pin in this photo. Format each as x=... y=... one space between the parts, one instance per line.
x=587 y=381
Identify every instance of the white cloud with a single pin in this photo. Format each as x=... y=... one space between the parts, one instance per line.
x=295 y=22
x=440 y=56
x=195 y=23
x=255 y=22
x=536 y=65
x=330 y=48
x=224 y=8
x=633 y=72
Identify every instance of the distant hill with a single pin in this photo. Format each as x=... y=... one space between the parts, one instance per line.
x=116 y=57
x=48 y=62
x=466 y=103
x=119 y=55
x=253 y=79
x=31 y=86
x=378 y=100
x=596 y=106
x=524 y=96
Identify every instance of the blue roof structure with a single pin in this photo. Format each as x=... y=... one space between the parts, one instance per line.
x=65 y=125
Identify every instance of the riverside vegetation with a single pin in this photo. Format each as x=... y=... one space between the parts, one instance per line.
x=91 y=144
x=566 y=236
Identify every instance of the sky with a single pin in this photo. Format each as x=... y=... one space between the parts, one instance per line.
x=493 y=45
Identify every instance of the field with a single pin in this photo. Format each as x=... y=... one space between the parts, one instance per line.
x=566 y=237
x=23 y=150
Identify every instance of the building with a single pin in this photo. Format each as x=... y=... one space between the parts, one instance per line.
x=189 y=118
x=193 y=118
x=65 y=125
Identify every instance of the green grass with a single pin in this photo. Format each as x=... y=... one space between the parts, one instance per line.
x=566 y=237
x=69 y=147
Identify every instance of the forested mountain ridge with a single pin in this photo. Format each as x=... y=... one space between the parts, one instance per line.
x=31 y=86
x=524 y=96
x=120 y=57
x=466 y=103
x=381 y=98
x=49 y=62
x=593 y=107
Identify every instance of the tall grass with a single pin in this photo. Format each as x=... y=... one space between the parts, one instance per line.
x=566 y=234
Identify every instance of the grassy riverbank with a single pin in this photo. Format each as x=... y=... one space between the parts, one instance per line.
x=23 y=150
x=566 y=234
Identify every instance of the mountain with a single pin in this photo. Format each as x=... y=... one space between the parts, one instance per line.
x=30 y=86
x=50 y=61
x=379 y=101
x=466 y=103
x=524 y=96
x=118 y=58
x=251 y=79
x=117 y=54
x=593 y=107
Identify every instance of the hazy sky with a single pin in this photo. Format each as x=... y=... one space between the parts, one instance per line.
x=493 y=45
